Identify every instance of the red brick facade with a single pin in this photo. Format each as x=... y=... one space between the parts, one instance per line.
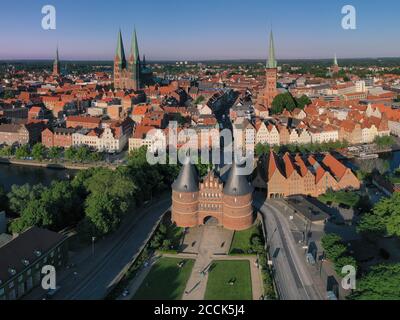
x=59 y=137
x=300 y=175
x=210 y=199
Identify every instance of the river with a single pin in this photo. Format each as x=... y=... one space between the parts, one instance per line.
x=19 y=175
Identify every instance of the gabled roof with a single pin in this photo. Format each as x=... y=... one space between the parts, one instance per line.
x=335 y=166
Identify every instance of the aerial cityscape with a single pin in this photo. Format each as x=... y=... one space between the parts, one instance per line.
x=170 y=163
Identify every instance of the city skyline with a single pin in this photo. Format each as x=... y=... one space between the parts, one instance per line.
x=213 y=32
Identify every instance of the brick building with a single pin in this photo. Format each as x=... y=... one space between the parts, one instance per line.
x=299 y=175
x=130 y=74
x=196 y=203
x=20 y=133
x=271 y=75
x=57 y=137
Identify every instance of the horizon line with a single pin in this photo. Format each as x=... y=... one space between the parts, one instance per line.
x=200 y=60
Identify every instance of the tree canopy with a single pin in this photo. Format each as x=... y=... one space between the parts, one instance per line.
x=382 y=282
x=384 y=219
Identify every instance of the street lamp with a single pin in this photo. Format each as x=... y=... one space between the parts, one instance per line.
x=93 y=240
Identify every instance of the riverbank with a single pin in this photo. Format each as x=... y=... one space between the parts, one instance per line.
x=55 y=165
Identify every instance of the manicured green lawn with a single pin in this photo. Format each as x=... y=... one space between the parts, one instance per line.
x=222 y=273
x=241 y=242
x=165 y=281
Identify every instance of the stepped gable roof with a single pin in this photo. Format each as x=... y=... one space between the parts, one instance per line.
x=289 y=166
x=237 y=184
x=187 y=180
x=302 y=166
x=335 y=166
x=273 y=165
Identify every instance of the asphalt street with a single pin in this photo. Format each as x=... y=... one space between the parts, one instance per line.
x=93 y=279
x=291 y=275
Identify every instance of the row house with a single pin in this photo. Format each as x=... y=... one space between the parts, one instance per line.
x=324 y=134
x=304 y=137
x=299 y=175
x=244 y=134
x=267 y=134
x=102 y=140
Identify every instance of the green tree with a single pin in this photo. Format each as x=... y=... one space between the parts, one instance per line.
x=20 y=196
x=38 y=152
x=70 y=153
x=54 y=153
x=382 y=282
x=34 y=214
x=303 y=101
x=6 y=151
x=22 y=152
x=102 y=212
x=333 y=246
x=384 y=218
x=283 y=101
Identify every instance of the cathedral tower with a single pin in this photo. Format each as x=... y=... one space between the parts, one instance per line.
x=119 y=64
x=134 y=65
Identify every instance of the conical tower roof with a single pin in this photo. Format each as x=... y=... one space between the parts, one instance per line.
x=135 y=47
x=271 y=63
x=335 y=63
x=120 y=52
x=237 y=184
x=57 y=56
x=187 y=180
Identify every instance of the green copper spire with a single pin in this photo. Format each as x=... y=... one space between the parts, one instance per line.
x=120 y=53
x=335 y=63
x=57 y=57
x=271 y=63
x=135 y=47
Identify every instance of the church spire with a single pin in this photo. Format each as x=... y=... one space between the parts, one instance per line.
x=56 y=64
x=335 y=63
x=120 y=52
x=271 y=63
x=57 y=57
x=135 y=47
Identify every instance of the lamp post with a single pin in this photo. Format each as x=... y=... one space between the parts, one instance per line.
x=93 y=240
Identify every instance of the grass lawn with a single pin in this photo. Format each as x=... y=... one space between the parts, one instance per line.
x=165 y=281
x=221 y=273
x=241 y=243
x=350 y=199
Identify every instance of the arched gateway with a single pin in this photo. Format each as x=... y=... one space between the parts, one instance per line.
x=211 y=201
x=210 y=221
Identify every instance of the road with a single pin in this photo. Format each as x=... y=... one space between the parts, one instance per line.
x=291 y=275
x=94 y=276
